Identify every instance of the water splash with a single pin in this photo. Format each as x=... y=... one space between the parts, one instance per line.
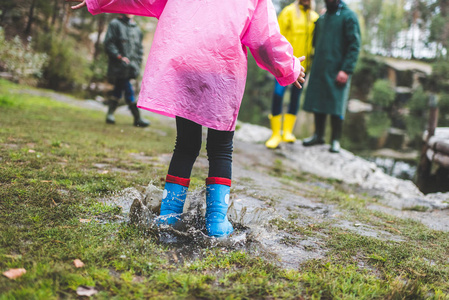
x=188 y=238
x=190 y=228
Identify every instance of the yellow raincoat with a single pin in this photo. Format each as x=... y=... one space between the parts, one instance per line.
x=297 y=25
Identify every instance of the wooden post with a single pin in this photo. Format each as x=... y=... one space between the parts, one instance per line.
x=433 y=115
x=424 y=166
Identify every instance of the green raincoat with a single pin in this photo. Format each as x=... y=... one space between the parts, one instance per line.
x=337 y=44
x=123 y=38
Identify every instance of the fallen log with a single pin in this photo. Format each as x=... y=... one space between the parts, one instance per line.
x=441 y=159
x=442 y=147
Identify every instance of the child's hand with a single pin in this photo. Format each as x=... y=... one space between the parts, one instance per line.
x=82 y=4
x=301 y=76
x=124 y=59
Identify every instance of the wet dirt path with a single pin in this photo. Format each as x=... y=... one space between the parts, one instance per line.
x=263 y=196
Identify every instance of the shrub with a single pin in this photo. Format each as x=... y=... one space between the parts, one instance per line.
x=438 y=81
x=377 y=124
x=258 y=94
x=419 y=101
x=443 y=106
x=99 y=66
x=383 y=93
x=68 y=66
x=415 y=121
x=20 y=59
x=367 y=70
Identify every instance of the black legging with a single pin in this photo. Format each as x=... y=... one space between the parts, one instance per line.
x=188 y=145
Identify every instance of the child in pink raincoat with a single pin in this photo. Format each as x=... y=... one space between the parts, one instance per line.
x=196 y=72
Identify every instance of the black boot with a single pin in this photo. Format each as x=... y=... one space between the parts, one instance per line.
x=318 y=137
x=112 y=103
x=337 y=128
x=138 y=121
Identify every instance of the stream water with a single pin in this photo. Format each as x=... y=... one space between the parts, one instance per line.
x=396 y=168
x=384 y=140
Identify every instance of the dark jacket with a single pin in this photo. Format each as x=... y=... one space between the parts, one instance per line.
x=337 y=45
x=123 y=38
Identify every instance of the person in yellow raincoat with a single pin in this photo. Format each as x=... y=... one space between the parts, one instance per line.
x=297 y=23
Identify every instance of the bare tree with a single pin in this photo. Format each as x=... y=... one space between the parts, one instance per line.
x=30 y=17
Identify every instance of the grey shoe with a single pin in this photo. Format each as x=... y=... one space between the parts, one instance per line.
x=110 y=115
x=335 y=146
x=110 y=119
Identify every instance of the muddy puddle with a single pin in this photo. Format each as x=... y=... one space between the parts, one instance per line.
x=187 y=239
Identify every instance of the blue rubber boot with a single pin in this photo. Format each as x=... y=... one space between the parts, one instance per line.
x=217 y=200
x=173 y=199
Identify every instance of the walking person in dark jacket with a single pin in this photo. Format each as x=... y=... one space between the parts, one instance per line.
x=337 y=45
x=123 y=44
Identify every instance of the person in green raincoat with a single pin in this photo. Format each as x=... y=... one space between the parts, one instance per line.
x=123 y=44
x=337 y=45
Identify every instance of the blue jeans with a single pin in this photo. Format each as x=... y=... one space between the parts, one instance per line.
x=124 y=85
x=188 y=145
x=278 y=97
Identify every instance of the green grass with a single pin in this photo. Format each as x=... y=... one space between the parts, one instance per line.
x=48 y=182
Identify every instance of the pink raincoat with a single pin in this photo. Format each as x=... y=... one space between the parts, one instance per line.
x=198 y=61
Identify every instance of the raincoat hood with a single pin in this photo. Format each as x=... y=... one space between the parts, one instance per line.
x=127 y=21
x=332 y=5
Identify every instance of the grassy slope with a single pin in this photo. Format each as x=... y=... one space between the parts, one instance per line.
x=46 y=191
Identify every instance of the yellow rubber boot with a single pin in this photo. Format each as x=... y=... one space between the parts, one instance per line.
x=289 y=124
x=276 y=137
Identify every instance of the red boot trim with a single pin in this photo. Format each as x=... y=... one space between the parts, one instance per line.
x=178 y=180
x=218 y=180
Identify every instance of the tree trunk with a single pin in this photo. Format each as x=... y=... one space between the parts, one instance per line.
x=444 y=7
x=101 y=25
x=415 y=17
x=55 y=12
x=2 y=17
x=424 y=166
x=66 y=19
x=30 y=18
